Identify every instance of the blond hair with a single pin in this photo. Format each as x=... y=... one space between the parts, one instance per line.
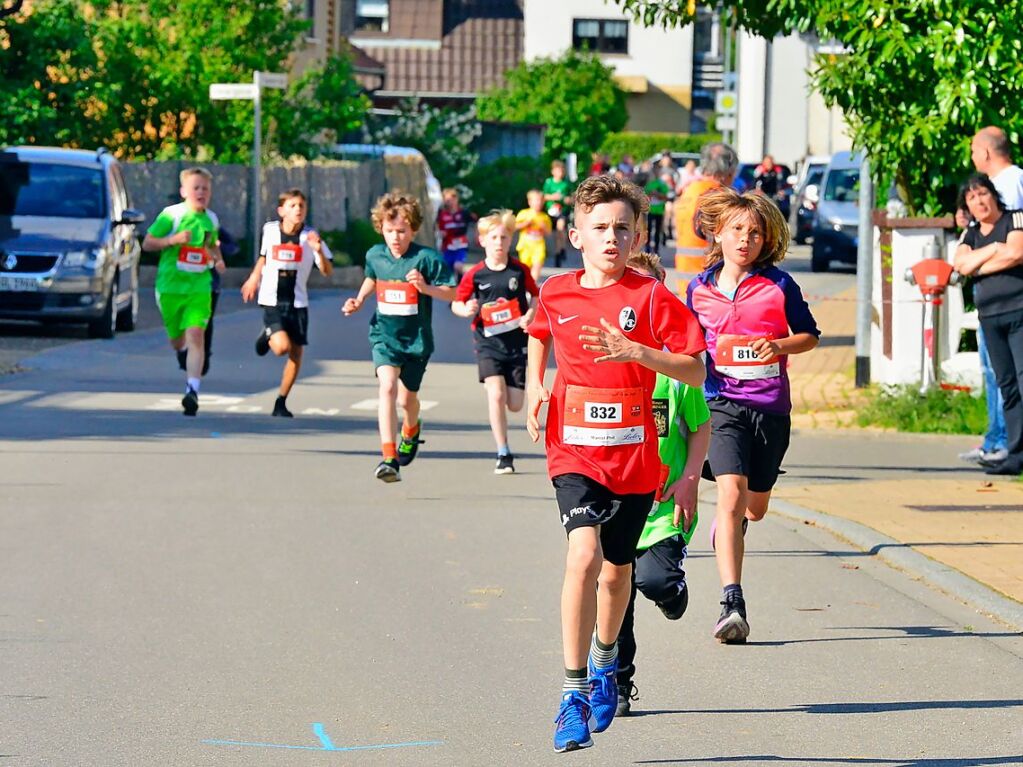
x=600 y=189
x=394 y=205
x=649 y=263
x=719 y=206
x=194 y=172
x=502 y=217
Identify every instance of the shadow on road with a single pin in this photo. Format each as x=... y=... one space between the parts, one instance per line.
x=910 y=762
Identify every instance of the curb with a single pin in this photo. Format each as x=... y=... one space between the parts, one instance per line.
x=898 y=555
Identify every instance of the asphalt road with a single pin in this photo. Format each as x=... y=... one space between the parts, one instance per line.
x=236 y=589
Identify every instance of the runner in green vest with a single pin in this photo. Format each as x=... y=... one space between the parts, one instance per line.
x=683 y=430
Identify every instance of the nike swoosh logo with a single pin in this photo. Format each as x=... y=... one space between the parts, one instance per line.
x=563 y=320
x=485 y=287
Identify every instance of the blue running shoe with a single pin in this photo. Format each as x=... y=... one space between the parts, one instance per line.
x=572 y=729
x=603 y=694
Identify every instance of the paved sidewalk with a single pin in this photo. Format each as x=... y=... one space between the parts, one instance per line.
x=968 y=523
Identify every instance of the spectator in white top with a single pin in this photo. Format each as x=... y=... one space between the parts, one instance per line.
x=991 y=156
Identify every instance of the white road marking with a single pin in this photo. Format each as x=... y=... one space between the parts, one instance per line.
x=372 y=404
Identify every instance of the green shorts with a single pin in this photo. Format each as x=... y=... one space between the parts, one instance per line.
x=411 y=367
x=184 y=310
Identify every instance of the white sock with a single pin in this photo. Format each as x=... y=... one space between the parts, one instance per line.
x=193 y=384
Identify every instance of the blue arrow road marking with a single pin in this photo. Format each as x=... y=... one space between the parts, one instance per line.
x=326 y=744
x=324 y=737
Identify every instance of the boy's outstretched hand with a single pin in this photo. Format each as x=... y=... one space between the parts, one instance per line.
x=537 y=396
x=416 y=280
x=610 y=343
x=684 y=491
x=766 y=349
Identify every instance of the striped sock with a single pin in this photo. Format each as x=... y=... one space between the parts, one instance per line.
x=603 y=655
x=576 y=680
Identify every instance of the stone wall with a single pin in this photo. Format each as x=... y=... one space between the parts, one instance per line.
x=337 y=190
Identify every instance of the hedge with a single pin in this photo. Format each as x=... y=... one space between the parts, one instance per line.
x=504 y=183
x=643 y=146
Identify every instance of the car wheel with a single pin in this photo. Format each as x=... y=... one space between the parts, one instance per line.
x=128 y=317
x=106 y=325
x=818 y=261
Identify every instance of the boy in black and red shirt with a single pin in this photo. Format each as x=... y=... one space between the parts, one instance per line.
x=494 y=294
x=453 y=227
x=601 y=440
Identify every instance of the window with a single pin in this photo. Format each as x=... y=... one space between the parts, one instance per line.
x=843 y=185
x=45 y=189
x=600 y=35
x=310 y=14
x=372 y=15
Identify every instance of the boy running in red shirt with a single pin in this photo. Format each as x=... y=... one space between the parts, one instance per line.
x=611 y=326
x=453 y=226
x=493 y=293
x=754 y=317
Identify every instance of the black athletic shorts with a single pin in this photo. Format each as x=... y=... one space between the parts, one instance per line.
x=512 y=369
x=292 y=320
x=584 y=502
x=746 y=441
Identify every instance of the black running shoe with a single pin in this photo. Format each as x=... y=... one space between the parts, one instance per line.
x=675 y=607
x=732 y=627
x=627 y=692
x=263 y=342
x=505 y=464
x=190 y=402
x=387 y=471
x=182 y=355
x=409 y=446
x=281 y=409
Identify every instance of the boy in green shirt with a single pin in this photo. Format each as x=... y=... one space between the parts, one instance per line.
x=405 y=277
x=557 y=191
x=658 y=191
x=187 y=236
x=683 y=429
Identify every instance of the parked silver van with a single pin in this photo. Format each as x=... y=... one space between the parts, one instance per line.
x=836 y=229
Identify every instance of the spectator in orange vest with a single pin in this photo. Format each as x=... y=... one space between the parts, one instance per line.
x=718 y=165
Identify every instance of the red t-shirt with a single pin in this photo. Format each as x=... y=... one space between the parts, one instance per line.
x=610 y=437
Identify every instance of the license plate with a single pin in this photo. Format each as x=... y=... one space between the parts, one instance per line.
x=19 y=284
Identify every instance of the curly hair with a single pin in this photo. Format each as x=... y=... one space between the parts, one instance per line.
x=597 y=190
x=719 y=206
x=502 y=217
x=394 y=205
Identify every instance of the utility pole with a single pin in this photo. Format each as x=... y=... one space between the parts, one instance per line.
x=864 y=275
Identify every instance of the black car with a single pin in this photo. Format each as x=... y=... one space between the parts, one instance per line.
x=68 y=245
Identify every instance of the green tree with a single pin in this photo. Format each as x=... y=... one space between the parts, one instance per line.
x=49 y=68
x=319 y=108
x=575 y=96
x=134 y=75
x=444 y=136
x=916 y=80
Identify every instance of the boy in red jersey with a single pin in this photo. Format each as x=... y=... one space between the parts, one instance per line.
x=601 y=439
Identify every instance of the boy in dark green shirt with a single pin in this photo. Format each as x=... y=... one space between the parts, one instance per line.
x=405 y=277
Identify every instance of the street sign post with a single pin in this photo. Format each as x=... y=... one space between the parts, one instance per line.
x=252 y=92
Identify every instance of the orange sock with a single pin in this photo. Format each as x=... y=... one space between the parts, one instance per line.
x=389 y=451
x=409 y=433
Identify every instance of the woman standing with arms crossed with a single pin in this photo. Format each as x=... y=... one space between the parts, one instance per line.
x=992 y=253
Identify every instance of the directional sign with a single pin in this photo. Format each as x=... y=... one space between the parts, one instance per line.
x=273 y=79
x=228 y=91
